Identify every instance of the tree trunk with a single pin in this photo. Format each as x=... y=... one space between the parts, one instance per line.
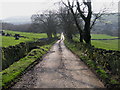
x=87 y=36
x=69 y=36
x=81 y=37
x=49 y=35
x=87 y=20
x=55 y=35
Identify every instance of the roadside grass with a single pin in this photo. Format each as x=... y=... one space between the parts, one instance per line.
x=10 y=41
x=11 y=74
x=79 y=50
x=104 y=44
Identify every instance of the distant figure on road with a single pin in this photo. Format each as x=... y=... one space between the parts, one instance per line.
x=62 y=36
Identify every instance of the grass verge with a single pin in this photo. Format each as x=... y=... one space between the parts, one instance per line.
x=11 y=74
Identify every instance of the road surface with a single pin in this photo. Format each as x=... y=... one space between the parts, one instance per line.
x=60 y=68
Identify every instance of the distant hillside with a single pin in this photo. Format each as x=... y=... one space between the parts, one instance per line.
x=107 y=25
x=18 y=20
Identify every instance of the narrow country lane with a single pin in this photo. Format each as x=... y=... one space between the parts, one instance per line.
x=60 y=68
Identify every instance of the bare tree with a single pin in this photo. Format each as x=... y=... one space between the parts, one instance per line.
x=48 y=21
x=76 y=18
x=67 y=22
x=83 y=10
x=86 y=16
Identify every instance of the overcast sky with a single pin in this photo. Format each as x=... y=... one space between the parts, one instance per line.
x=10 y=8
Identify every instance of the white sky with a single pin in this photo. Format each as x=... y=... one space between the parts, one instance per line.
x=10 y=8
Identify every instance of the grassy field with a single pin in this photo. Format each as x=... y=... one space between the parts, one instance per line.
x=104 y=44
x=101 y=36
x=29 y=35
x=6 y=41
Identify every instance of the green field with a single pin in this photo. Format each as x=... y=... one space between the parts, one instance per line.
x=101 y=36
x=27 y=34
x=6 y=41
x=104 y=44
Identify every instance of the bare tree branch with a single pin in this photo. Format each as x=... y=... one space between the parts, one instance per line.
x=80 y=12
x=64 y=3
x=97 y=16
x=75 y=17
